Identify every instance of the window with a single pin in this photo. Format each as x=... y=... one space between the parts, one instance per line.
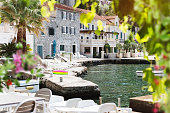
x=51 y=31
x=42 y=33
x=72 y=31
x=87 y=50
x=88 y=26
x=64 y=15
x=81 y=37
x=116 y=36
x=116 y=24
x=72 y=16
x=61 y=47
x=80 y=25
x=95 y=36
x=121 y=35
x=64 y=30
x=83 y=26
x=92 y=27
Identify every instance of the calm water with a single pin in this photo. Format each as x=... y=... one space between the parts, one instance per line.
x=118 y=81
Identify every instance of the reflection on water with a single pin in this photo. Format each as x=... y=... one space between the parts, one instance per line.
x=118 y=81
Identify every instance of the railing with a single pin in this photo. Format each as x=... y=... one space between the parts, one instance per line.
x=96 y=41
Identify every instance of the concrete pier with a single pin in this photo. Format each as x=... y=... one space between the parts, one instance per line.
x=71 y=87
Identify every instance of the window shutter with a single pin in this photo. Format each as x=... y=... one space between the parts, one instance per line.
x=66 y=16
x=70 y=30
x=62 y=15
x=74 y=16
x=69 y=16
x=74 y=31
x=66 y=29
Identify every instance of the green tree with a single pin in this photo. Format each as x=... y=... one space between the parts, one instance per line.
x=24 y=14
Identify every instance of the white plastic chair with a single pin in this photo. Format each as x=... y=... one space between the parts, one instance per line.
x=27 y=106
x=56 y=98
x=86 y=103
x=73 y=102
x=107 y=107
x=46 y=94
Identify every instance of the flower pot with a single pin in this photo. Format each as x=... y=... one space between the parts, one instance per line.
x=119 y=55
x=134 y=54
x=126 y=55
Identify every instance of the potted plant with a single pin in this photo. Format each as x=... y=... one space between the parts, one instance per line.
x=106 y=49
x=134 y=46
x=140 y=48
x=119 y=47
x=126 y=47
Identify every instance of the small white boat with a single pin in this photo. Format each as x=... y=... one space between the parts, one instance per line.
x=156 y=73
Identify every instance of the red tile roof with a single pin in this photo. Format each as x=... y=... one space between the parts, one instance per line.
x=69 y=8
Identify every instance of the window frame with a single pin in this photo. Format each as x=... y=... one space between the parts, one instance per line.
x=63 y=48
x=49 y=31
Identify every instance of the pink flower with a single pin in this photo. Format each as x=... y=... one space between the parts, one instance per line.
x=18 y=61
x=155 y=110
x=156 y=81
x=156 y=67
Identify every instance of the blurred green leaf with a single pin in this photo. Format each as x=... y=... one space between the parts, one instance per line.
x=16 y=82
x=51 y=4
x=45 y=12
x=19 y=45
x=28 y=80
x=78 y=2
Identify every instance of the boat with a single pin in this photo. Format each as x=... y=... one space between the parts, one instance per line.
x=156 y=73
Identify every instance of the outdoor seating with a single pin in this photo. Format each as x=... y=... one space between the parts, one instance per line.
x=86 y=103
x=107 y=107
x=46 y=94
x=27 y=106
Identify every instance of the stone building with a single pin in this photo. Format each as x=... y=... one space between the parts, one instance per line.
x=92 y=45
x=63 y=28
x=67 y=2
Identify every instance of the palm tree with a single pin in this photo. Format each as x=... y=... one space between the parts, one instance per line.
x=7 y=49
x=24 y=14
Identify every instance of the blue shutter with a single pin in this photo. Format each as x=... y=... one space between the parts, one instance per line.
x=121 y=35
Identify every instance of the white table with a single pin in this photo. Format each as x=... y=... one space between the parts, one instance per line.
x=91 y=109
x=11 y=100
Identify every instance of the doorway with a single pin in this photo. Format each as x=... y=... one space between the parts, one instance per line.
x=74 y=49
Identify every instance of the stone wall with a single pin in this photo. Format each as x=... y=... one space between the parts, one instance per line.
x=67 y=40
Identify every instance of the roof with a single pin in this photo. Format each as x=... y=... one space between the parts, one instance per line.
x=109 y=17
x=64 y=7
x=69 y=8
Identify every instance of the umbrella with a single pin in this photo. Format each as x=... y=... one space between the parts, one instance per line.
x=54 y=48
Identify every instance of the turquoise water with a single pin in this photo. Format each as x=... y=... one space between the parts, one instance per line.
x=118 y=81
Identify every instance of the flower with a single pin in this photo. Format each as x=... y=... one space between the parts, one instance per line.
x=9 y=82
x=18 y=61
x=156 y=81
x=155 y=110
x=163 y=67
x=156 y=67
x=165 y=57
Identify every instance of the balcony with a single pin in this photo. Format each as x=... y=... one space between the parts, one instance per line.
x=98 y=42
x=121 y=40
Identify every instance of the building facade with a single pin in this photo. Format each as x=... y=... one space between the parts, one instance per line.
x=63 y=28
x=91 y=45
